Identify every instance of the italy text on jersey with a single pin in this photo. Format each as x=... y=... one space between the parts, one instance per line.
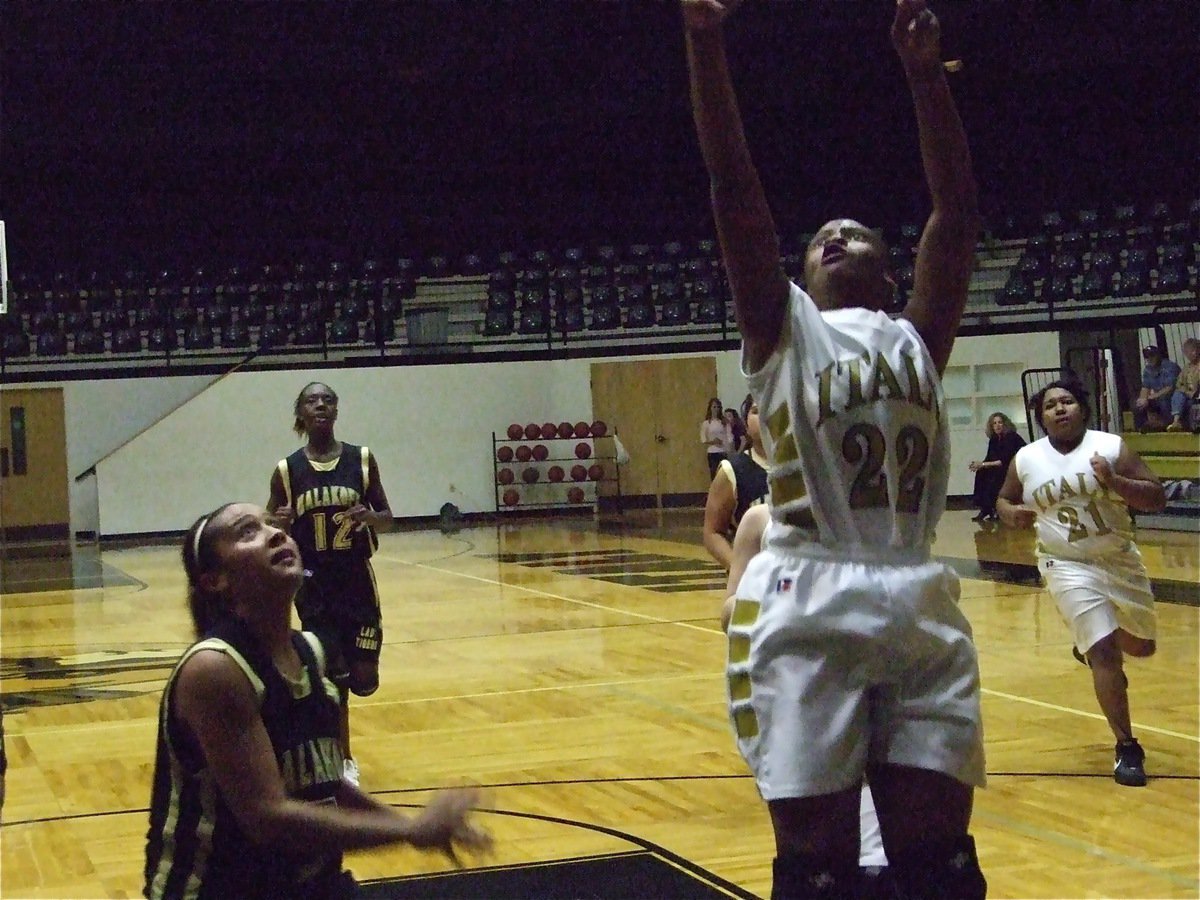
x=866 y=445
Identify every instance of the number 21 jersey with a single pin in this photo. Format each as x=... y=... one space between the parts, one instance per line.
x=1077 y=518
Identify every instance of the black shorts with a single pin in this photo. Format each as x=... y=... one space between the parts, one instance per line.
x=341 y=605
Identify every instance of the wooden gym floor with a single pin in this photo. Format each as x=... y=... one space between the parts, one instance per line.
x=575 y=669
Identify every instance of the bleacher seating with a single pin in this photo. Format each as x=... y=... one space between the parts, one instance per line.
x=162 y=339
x=569 y=319
x=1125 y=256
x=235 y=335
x=639 y=314
x=605 y=315
x=344 y=331
x=378 y=331
x=127 y=340
x=16 y=345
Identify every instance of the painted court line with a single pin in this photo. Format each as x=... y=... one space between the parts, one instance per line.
x=1016 y=698
x=658 y=620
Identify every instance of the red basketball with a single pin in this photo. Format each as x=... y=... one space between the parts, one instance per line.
x=583 y=429
x=578 y=473
x=540 y=452
x=505 y=476
x=511 y=497
x=514 y=432
x=556 y=474
x=533 y=431
x=599 y=429
x=565 y=429
x=549 y=430
x=504 y=454
x=530 y=475
x=595 y=471
x=582 y=450
x=524 y=454
x=575 y=495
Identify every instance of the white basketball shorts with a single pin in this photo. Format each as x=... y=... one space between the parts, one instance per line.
x=1098 y=597
x=832 y=663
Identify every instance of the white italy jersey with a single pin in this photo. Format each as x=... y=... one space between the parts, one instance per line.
x=852 y=420
x=1077 y=518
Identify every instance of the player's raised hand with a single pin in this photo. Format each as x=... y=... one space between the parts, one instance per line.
x=700 y=15
x=916 y=35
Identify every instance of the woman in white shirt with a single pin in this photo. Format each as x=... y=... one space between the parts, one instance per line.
x=715 y=435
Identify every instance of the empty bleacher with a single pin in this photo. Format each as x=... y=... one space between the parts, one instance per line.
x=1123 y=262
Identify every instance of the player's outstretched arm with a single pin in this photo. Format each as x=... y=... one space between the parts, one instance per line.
x=217 y=705
x=946 y=253
x=749 y=243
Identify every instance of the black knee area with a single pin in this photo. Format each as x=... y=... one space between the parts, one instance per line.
x=798 y=875
x=364 y=686
x=363 y=680
x=947 y=869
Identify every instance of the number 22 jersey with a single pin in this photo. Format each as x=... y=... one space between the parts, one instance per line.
x=853 y=422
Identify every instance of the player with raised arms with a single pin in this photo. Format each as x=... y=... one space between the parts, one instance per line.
x=848 y=654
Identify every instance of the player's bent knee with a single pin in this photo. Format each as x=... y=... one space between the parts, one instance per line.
x=1136 y=646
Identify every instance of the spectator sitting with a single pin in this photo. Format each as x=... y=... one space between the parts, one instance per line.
x=1185 y=408
x=1154 y=403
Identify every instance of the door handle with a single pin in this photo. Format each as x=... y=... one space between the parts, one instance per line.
x=660 y=438
x=3 y=462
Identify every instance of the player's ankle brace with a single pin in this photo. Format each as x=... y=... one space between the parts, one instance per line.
x=798 y=876
x=938 y=869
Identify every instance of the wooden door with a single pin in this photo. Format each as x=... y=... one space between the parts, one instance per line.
x=620 y=396
x=657 y=406
x=33 y=464
x=683 y=389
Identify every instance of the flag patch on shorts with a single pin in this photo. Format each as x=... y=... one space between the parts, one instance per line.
x=782 y=585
